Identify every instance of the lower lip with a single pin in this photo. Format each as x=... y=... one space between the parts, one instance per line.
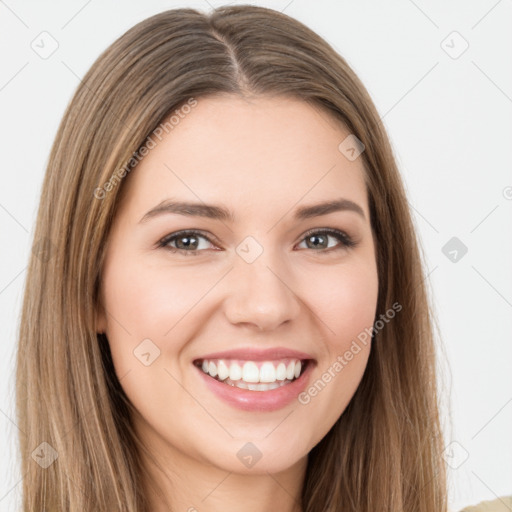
x=262 y=401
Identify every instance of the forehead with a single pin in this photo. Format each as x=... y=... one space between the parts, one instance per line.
x=266 y=153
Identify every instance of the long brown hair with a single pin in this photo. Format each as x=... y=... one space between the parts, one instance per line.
x=385 y=451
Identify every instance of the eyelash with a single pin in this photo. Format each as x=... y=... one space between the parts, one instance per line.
x=346 y=241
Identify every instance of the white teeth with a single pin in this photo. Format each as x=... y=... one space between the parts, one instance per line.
x=256 y=387
x=212 y=369
x=281 y=371
x=222 y=370
x=235 y=371
x=290 y=370
x=250 y=372
x=241 y=384
x=263 y=387
x=298 y=367
x=269 y=373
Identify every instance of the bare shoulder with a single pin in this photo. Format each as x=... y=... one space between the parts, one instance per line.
x=502 y=504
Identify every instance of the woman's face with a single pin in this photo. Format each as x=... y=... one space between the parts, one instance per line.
x=266 y=285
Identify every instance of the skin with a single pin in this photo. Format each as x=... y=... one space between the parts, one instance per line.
x=262 y=158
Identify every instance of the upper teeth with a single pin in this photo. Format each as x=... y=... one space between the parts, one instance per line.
x=251 y=371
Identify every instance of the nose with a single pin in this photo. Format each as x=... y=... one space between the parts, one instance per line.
x=261 y=295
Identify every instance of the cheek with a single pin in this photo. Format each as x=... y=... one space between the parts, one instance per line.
x=166 y=306
x=345 y=300
x=149 y=320
x=149 y=301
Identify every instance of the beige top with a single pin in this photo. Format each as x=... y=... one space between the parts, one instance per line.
x=502 y=504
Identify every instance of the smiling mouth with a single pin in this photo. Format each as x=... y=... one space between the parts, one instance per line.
x=253 y=375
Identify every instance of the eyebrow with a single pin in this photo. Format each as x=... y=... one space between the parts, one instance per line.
x=221 y=213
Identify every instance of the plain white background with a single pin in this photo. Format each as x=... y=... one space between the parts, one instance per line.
x=440 y=76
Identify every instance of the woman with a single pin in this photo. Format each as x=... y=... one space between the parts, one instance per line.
x=229 y=308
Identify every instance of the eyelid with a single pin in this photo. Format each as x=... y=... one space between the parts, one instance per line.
x=346 y=241
x=184 y=232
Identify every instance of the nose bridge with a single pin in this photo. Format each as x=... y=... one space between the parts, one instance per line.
x=259 y=293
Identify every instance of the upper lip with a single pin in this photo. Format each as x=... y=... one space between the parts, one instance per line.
x=254 y=354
